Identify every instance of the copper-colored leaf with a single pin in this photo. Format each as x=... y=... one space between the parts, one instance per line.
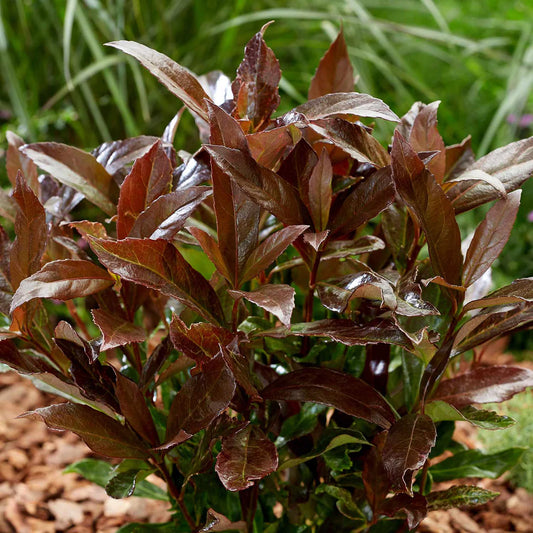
x=335 y=72
x=157 y=264
x=358 y=104
x=255 y=90
x=414 y=508
x=200 y=341
x=103 y=434
x=116 y=330
x=77 y=169
x=31 y=232
x=150 y=177
x=247 y=455
x=63 y=280
x=265 y=187
x=134 y=409
x=16 y=160
x=512 y=165
x=484 y=385
x=201 y=399
x=168 y=214
x=367 y=199
x=269 y=250
x=520 y=290
x=210 y=246
x=320 y=192
x=177 y=79
x=115 y=155
x=336 y=389
x=276 y=299
x=458 y=158
x=425 y=137
x=433 y=211
x=490 y=237
x=407 y=448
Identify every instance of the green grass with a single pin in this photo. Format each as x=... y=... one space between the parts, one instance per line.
x=521 y=434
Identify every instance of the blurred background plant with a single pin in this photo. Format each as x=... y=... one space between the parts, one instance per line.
x=61 y=84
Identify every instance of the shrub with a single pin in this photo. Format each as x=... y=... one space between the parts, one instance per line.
x=278 y=316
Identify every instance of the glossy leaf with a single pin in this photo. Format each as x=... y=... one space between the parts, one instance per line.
x=344 y=502
x=77 y=169
x=150 y=178
x=255 y=90
x=115 y=155
x=511 y=164
x=116 y=330
x=414 y=508
x=269 y=147
x=218 y=522
x=520 y=290
x=158 y=264
x=269 y=250
x=265 y=187
x=458 y=158
x=347 y=103
x=433 y=211
x=168 y=214
x=31 y=232
x=177 y=79
x=476 y=463
x=490 y=238
x=425 y=137
x=101 y=433
x=203 y=397
x=133 y=407
x=489 y=384
x=246 y=456
x=407 y=448
x=440 y=411
x=335 y=72
x=459 y=496
x=336 y=389
x=320 y=193
x=63 y=280
x=16 y=160
x=122 y=484
x=276 y=299
x=367 y=199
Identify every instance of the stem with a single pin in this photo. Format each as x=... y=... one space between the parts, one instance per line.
x=235 y=316
x=249 y=498
x=424 y=477
x=308 y=306
x=79 y=322
x=177 y=494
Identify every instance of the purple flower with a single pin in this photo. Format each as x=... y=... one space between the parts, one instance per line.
x=530 y=216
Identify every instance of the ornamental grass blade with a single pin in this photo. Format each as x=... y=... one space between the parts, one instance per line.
x=490 y=238
x=491 y=384
x=407 y=448
x=346 y=103
x=157 y=264
x=63 y=280
x=103 y=434
x=247 y=455
x=201 y=399
x=168 y=214
x=177 y=79
x=31 y=234
x=336 y=389
x=77 y=169
x=432 y=209
x=255 y=90
x=335 y=71
x=150 y=178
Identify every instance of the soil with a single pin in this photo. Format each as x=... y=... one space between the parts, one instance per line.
x=36 y=497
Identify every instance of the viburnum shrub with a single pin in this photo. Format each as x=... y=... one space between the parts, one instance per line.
x=282 y=325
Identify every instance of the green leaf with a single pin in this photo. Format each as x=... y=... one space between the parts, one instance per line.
x=475 y=463
x=301 y=424
x=345 y=503
x=122 y=484
x=331 y=439
x=441 y=411
x=459 y=496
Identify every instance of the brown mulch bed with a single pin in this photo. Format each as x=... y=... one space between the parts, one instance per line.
x=36 y=497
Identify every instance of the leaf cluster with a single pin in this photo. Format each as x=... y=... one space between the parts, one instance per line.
x=276 y=317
